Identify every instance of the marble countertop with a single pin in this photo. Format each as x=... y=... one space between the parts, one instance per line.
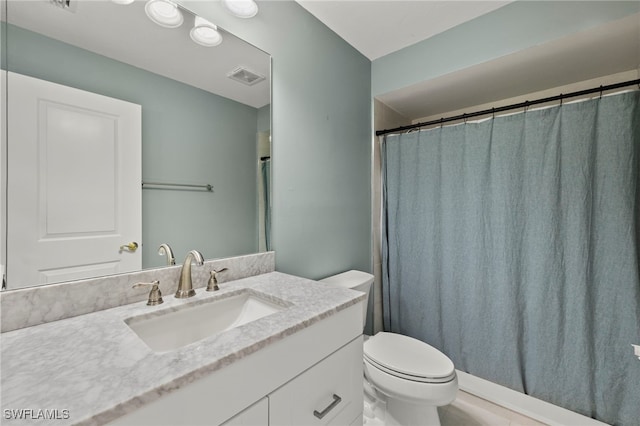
x=93 y=368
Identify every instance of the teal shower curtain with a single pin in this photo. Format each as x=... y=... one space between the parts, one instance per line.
x=512 y=245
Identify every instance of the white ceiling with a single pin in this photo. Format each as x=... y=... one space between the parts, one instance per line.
x=377 y=28
x=601 y=51
x=124 y=33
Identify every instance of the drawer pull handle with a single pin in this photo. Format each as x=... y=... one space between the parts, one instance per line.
x=321 y=414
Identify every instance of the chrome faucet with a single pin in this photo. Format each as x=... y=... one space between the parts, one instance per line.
x=185 y=287
x=165 y=250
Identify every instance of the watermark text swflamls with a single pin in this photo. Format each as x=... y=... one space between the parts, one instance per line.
x=36 y=414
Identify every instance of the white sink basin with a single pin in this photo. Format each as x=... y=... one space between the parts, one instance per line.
x=173 y=329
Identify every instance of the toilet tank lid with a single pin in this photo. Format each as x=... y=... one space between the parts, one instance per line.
x=349 y=279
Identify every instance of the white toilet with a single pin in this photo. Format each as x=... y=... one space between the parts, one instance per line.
x=405 y=378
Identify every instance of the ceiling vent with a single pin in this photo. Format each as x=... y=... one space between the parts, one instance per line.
x=245 y=76
x=65 y=4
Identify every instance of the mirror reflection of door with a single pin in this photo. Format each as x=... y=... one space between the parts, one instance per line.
x=73 y=182
x=201 y=113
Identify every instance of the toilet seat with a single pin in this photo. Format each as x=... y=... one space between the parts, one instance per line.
x=408 y=358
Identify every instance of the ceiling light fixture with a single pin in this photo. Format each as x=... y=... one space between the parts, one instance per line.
x=205 y=33
x=125 y=2
x=164 y=13
x=241 y=8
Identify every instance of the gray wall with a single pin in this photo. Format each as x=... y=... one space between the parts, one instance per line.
x=188 y=136
x=321 y=138
x=264 y=119
x=510 y=29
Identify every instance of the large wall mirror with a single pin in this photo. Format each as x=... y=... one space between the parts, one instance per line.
x=121 y=135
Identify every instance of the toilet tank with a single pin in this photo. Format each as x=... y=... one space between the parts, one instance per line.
x=354 y=280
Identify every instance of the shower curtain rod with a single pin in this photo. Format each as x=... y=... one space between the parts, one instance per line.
x=524 y=104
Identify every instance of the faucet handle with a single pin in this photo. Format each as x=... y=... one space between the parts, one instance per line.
x=155 y=296
x=212 y=285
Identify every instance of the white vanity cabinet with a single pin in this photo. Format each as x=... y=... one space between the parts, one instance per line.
x=283 y=383
x=256 y=415
x=275 y=370
x=329 y=393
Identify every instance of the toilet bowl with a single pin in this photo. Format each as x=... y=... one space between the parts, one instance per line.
x=409 y=378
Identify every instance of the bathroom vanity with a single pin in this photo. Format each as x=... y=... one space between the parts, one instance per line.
x=300 y=363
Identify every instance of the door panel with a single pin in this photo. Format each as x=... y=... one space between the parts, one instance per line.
x=74 y=183
x=91 y=136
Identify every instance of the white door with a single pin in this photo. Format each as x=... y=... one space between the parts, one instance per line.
x=74 y=183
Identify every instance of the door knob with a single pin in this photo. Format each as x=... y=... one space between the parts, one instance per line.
x=132 y=246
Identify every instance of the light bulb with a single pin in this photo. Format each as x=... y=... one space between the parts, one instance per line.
x=205 y=33
x=241 y=8
x=164 y=13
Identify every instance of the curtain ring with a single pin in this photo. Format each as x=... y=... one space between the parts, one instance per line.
x=561 y=99
x=493 y=113
x=464 y=117
x=526 y=106
x=601 y=91
x=441 y=122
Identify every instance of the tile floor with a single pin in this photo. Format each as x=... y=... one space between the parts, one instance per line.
x=466 y=410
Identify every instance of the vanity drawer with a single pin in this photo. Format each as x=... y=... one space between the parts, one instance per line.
x=329 y=393
x=255 y=415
